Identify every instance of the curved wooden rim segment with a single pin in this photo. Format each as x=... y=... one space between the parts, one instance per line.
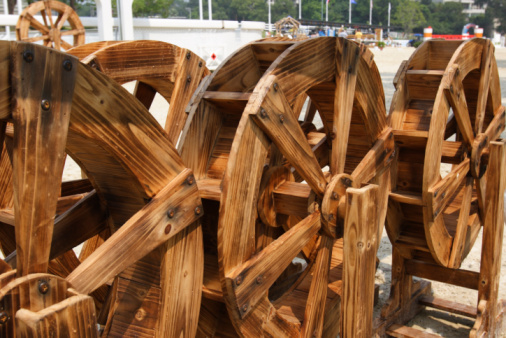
x=50 y=29
x=269 y=118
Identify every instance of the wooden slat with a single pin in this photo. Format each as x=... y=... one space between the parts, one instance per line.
x=361 y=243
x=314 y=314
x=442 y=192
x=42 y=114
x=5 y=81
x=251 y=280
x=484 y=85
x=401 y=331
x=377 y=159
x=343 y=102
x=463 y=278
x=292 y=198
x=423 y=84
x=449 y=306
x=459 y=242
x=153 y=225
x=406 y=197
x=210 y=189
x=454 y=91
x=276 y=120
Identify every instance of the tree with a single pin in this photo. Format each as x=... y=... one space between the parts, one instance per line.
x=446 y=18
x=409 y=15
x=147 y=8
x=248 y=10
x=281 y=9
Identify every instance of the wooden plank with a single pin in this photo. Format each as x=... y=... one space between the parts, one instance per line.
x=423 y=84
x=314 y=314
x=252 y=279
x=459 y=242
x=406 y=197
x=454 y=92
x=210 y=189
x=443 y=191
x=449 y=306
x=463 y=278
x=292 y=198
x=190 y=69
x=276 y=119
x=162 y=218
x=493 y=229
x=483 y=90
x=377 y=159
x=79 y=186
x=401 y=331
x=43 y=92
x=5 y=81
x=343 y=102
x=73 y=317
x=360 y=246
x=226 y=96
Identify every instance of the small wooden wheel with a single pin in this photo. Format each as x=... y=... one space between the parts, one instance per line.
x=445 y=112
x=250 y=153
x=51 y=30
x=141 y=188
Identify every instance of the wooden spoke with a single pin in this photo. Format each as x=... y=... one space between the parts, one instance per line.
x=72 y=32
x=315 y=309
x=254 y=278
x=455 y=94
x=377 y=159
x=310 y=112
x=37 y=38
x=144 y=93
x=343 y=103
x=277 y=120
x=33 y=173
x=49 y=12
x=484 y=85
x=62 y=17
x=65 y=44
x=37 y=25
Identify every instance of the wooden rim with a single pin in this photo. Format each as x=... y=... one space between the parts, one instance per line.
x=178 y=73
x=447 y=109
x=111 y=136
x=257 y=96
x=50 y=30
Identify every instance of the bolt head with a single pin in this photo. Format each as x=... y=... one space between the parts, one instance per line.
x=198 y=210
x=189 y=79
x=45 y=104
x=259 y=280
x=43 y=287
x=263 y=113
x=4 y=318
x=171 y=213
x=190 y=180
x=244 y=308
x=67 y=65
x=188 y=55
x=28 y=56
x=238 y=280
x=276 y=87
x=281 y=118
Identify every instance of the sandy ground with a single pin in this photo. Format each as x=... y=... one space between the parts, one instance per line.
x=388 y=61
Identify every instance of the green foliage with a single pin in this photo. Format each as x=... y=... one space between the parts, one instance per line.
x=381 y=44
x=152 y=8
x=409 y=15
x=417 y=43
x=283 y=8
x=485 y=21
x=446 y=18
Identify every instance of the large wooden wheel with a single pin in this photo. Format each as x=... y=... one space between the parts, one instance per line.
x=51 y=30
x=140 y=187
x=445 y=112
x=250 y=155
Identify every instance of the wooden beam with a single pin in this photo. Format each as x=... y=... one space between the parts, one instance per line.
x=463 y=278
x=175 y=207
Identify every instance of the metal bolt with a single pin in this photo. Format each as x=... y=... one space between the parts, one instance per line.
x=263 y=113
x=28 y=56
x=245 y=308
x=334 y=195
x=259 y=280
x=43 y=287
x=45 y=104
x=190 y=180
x=4 y=317
x=451 y=89
x=350 y=69
x=170 y=213
x=332 y=135
x=189 y=79
x=67 y=65
x=188 y=55
x=281 y=118
x=200 y=64
x=238 y=280
x=198 y=210
x=275 y=86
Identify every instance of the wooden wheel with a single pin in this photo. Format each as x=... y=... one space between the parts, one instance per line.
x=140 y=187
x=250 y=155
x=445 y=112
x=51 y=30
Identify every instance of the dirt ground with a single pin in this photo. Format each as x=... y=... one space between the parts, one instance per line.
x=388 y=61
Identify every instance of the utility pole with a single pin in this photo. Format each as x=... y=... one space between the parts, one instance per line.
x=210 y=9
x=201 y=12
